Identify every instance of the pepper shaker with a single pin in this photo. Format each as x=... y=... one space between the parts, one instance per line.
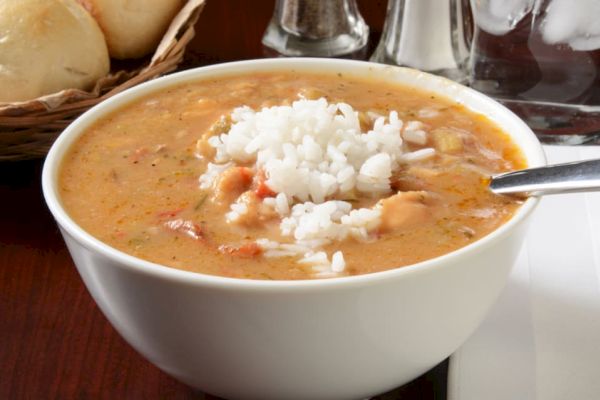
x=330 y=28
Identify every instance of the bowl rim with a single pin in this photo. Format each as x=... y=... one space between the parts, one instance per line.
x=530 y=146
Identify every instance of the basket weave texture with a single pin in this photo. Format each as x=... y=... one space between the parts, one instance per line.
x=28 y=129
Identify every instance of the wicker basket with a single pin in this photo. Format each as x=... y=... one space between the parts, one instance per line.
x=28 y=129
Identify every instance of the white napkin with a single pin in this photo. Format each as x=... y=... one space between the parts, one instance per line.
x=541 y=341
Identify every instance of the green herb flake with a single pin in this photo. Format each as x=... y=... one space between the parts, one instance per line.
x=200 y=202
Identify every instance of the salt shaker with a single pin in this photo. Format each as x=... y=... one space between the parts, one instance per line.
x=330 y=28
x=427 y=35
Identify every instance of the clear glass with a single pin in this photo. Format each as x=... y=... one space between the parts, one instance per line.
x=541 y=58
x=320 y=28
x=429 y=35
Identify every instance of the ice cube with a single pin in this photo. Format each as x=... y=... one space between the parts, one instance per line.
x=573 y=22
x=499 y=17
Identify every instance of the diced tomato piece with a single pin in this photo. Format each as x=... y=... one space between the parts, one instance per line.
x=185 y=227
x=262 y=189
x=247 y=250
x=246 y=174
x=169 y=213
x=119 y=233
x=138 y=154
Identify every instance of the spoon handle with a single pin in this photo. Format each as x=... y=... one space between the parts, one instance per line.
x=579 y=176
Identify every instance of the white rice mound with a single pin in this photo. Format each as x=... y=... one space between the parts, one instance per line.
x=314 y=155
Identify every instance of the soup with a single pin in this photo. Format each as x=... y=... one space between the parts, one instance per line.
x=288 y=175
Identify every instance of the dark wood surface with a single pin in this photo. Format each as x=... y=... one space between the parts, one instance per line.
x=54 y=342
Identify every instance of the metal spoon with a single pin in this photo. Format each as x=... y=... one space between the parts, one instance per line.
x=579 y=176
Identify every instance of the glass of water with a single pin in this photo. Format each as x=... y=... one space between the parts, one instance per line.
x=541 y=58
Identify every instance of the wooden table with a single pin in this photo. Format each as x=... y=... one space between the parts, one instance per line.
x=54 y=341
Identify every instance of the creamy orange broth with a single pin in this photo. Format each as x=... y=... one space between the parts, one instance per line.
x=137 y=169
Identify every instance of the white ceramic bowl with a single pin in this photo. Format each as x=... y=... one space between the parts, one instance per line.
x=342 y=338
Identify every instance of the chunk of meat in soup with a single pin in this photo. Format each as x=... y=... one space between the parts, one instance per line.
x=405 y=210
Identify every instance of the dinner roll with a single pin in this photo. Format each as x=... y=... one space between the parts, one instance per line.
x=47 y=46
x=133 y=28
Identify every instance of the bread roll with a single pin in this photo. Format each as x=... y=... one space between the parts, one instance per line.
x=133 y=28
x=47 y=46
